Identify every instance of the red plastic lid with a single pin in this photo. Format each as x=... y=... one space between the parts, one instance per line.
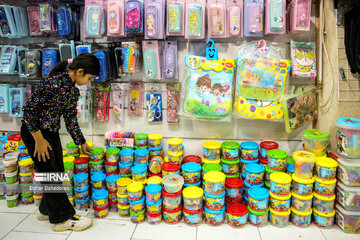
x=14 y=137
x=193 y=211
x=110 y=163
x=192 y=158
x=263 y=161
x=81 y=160
x=112 y=192
x=99 y=209
x=234 y=183
x=269 y=145
x=153 y=215
x=113 y=203
x=166 y=194
x=113 y=173
x=237 y=209
x=155 y=174
x=229 y=200
x=170 y=167
x=172 y=210
x=81 y=171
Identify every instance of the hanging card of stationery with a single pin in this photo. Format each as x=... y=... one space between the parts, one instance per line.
x=118 y=96
x=195 y=19
x=154 y=19
x=83 y=107
x=47 y=18
x=169 y=63
x=299 y=14
x=134 y=17
x=130 y=57
x=34 y=20
x=303 y=58
x=235 y=17
x=216 y=19
x=154 y=104
x=101 y=103
x=17 y=100
x=253 y=18
x=173 y=100
x=275 y=17
x=136 y=98
x=175 y=16
x=151 y=59
x=115 y=16
x=93 y=18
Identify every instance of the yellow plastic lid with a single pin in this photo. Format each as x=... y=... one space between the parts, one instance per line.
x=64 y=152
x=90 y=144
x=286 y=213
x=25 y=174
x=40 y=196
x=166 y=159
x=142 y=182
x=280 y=177
x=193 y=192
x=68 y=159
x=154 y=180
x=322 y=181
x=323 y=198
x=214 y=177
x=302 y=180
x=123 y=182
x=123 y=207
x=177 y=154
x=326 y=162
x=175 y=141
x=304 y=156
x=25 y=162
x=331 y=214
x=205 y=161
x=212 y=145
x=301 y=213
x=122 y=195
x=134 y=187
x=155 y=136
x=280 y=197
x=309 y=197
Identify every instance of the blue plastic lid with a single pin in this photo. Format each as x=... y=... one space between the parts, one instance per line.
x=153 y=188
x=81 y=190
x=141 y=152
x=249 y=145
x=198 y=184
x=21 y=147
x=156 y=148
x=251 y=186
x=80 y=177
x=249 y=161
x=125 y=165
x=290 y=168
x=347 y=122
x=100 y=194
x=191 y=167
x=258 y=193
x=254 y=168
x=127 y=152
x=112 y=178
x=214 y=196
x=158 y=202
x=137 y=201
x=215 y=212
x=98 y=177
x=92 y=173
x=82 y=200
x=139 y=168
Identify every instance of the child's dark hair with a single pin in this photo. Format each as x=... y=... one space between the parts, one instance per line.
x=86 y=61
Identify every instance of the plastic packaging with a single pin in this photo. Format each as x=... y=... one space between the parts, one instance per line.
x=81 y=194
x=172 y=215
x=231 y=167
x=191 y=172
x=154 y=19
x=151 y=58
x=265 y=146
x=175 y=16
x=348 y=197
x=275 y=17
x=304 y=164
x=122 y=200
x=299 y=12
x=348 y=172
x=135 y=191
x=254 y=173
x=98 y=180
x=302 y=203
x=82 y=204
x=211 y=150
x=323 y=220
x=258 y=219
x=137 y=205
x=12 y=201
x=302 y=187
x=214 y=202
x=94 y=16
x=195 y=19
x=217 y=19
x=173 y=89
x=101 y=212
x=81 y=180
x=253 y=18
x=136 y=98
x=193 y=217
x=280 y=184
x=171 y=200
x=348 y=135
x=279 y=219
x=115 y=15
x=348 y=221
x=323 y=204
x=122 y=184
x=124 y=211
x=301 y=219
x=173 y=183
x=277 y=159
x=139 y=172
x=100 y=198
x=134 y=17
x=112 y=155
x=234 y=188
x=154 y=207
x=155 y=140
x=303 y=57
x=154 y=218
x=237 y=214
x=213 y=217
x=137 y=217
x=153 y=192
x=214 y=182
x=280 y=204
x=258 y=198
x=235 y=16
x=193 y=198
x=170 y=169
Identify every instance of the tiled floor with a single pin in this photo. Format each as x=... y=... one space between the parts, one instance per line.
x=20 y=223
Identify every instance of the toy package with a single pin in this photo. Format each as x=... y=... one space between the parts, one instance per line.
x=33 y=64
x=253 y=18
x=83 y=49
x=4 y=97
x=175 y=17
x=16 y=101
x=21 y=58
x=299 y=14
x=47 y=18
x=67 y=50
x=130 y=57
x=136 y=99
x=116 y=20
x=303 y=58
x=154 y=107
x=275 y=17
x=169 y=63
x=8 y=60
x=20 y=21
x=84 y=104
x=235 y=17
x=64 y=21
x=300 y=108
x=173 y=100
x=154 y=19
x=195 y=19
x=34 y=20
x=134 y=16
x=49 y=60
x=151 y=59
x=261 y=77
x=118 y=97
x=101 y=103
x=7 y=24
x=103 y=59
x=93 y=18
x=216 y=19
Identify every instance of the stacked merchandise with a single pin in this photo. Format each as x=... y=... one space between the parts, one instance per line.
x=265 y=146
x=123 y=197
x=69 y=168
x=82 y=191
x=277 y=162
x=11 y=178
x=126 y=162
x=26 y=167
x=2 y=177
x=153 y=203
x=156 y=156
x=211 y=150
x=100 y=195
x=230 y=160
x=136 y=200
x=112 y=190
x=172 y=196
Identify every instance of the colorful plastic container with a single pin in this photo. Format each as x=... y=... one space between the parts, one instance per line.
x=137 y=205
x=316 y=141
x=301 y=219
x=153 y=192
x=26 y=177
x=72 y=148
x=26 y=166
x=138 y=217
x=139 y=172
x=193 y=217
x=193 y=198
x=348 y=221
x=158 y=151
x=212 y=150
x=324 y=188
x=234 y=188
x=81 y=180
x=279 y=219
x=154 y=218
x=97 y=154
x=171 y=200
x=113 y=206
x=100 y=198
x=98 y=180
x=280 y=204
x=155 y=140
x=82 y=193
x=154 y=180
x=175 y=158
x=348 y=197
x=192 y=158
x=208 y=167
x=230 y=167
x=277 y=159
x=111 y=182
x=124 y=211
x=230 y=150
x=268 y=172
x=122 y=200
x=214 y=217
x=323 y=204
x=191 y=172
x=258 y=219
x=173 y=183
x=12 y=201
x=82 y=204
x=81 y=164
x=27 y=198
x=126 y=156
x=348 y=137
x=155 y=164
x=348 y=172
x=301 y=186
x=172 y=216
x=10 y=165
x=96 y=166
x=280 y=184
x=37 y=200
x=265 y=146
x=112 y=197
x=325 y=168
x=175 y=145
x=135 y=191
x=249 y=150
x=205 y=161
x=254 y=173
x=243 y=164
x=112 y=155
x=237 y=214
x=323 y=220
x=101 y=212
x=214 y=202
x=168 y=168
x=122 y=184
x=247 y=186
x=141 y=156
x=214 y=183
x=154 y=207
x=125 y=169
x=304 y=164
x=302 y=203
x=258 y=198
x=141 y=139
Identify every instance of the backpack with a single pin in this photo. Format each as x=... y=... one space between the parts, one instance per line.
x=49 y=60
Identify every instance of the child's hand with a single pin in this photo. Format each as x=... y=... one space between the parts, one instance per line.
x=85 y=149
x=42 y=148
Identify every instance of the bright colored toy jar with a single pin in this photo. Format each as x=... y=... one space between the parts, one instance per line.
x=154 y=218
x=234 y=188
x=172 y=216
x=324 y=188
x=26 y=166
x=100 y=198
x=171 y=200
x=37 y=200
x=26 y=178
x=101 y=212
x=12 y=201
x=111 y=168
x=208 y=167
x=96 y=166
x=243 y=164
x=156 y=152
x=214 y=202
x=138 y=217
x=112 y=155
x=137 y=205
x=279 y=219
x=206 y=161
x=302 y=203
x=229 y=201
x=111 y=182
x=258 y=198
x=212 y=150
x=193 y=217
x=280 y=204
x=214 y=183
x=258 y=219
x=122 y=184
x=230 y=167
x=154 y=180
x=316 y=141
x=302 y=187
x=155 y=164
x=112 y=196
x=125 y=169
x=214 y=217
x=27 y=198
x=348 y=172
x=81 y=194
x=124 y=211
x=237 y=214
x=348 y=197
x=247 y=186
x=280 y=184
x=175 y=145
x=325 y=168
x=139 y=172
x=264 y=162
x=10 y=165
x=268 y=172
x=154 y=207
x=81 y=180
x=68 y=159
x=26 y=188
x=191 y=172
x=98 y=180
x=82 y=204
x=113 y=206
x=81 y=164
x=192 y=158
x=265 y=146
x=348 y=135
x=230 y=150
x=277 y=159
x=141 y=156
x=135 y=191
x=198 y=184
x=141 y=139
x=249 y=150
x=301 y=219
x=173 y=183
x=193 y=198
x=304 y=164
x=153 y=192
x=348 y=221
x=72 y=148
x=126 y=156
x=254 y=173
x=168 y=168
x=323 y=220
x=323 y=204
x=97 y=154
x=175 y=158
x=155 y=140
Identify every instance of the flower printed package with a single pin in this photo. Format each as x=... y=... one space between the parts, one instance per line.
x=303 y=59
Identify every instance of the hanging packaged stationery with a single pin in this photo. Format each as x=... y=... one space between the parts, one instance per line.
x=49 y=60
x=83 y=107
x=8 y=60
x=24 y=22
x=64 y=21
x=303 y=59
x=195 y=19
x=173 y=100
x=101 y=56
x=175 y=16
x=116 y=20
x=93 y=18
x=4 y=97
x=7 y=24
x=151 y=59
x=47 y=18
x=67 y=51
x=275 y=17
x=208 y=94
x=216 y=19
x=169 y=66
x=300 y=108
x=154 y=18
x=261 y=77
x=134 y=16
x=21 y=58
x=130 y=56
x=20 y=30
x=83 y=49
x=34 y=20
x=16 y=101
x=154 y=107
x=101 y=103
x=235 y=17
x=119 y=60
x=118 y=97
x=136 y=98
x=111 y=58
x=299 y=14
x=33 y=64
x=253 y=18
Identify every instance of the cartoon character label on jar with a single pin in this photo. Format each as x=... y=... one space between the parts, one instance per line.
x=124 y=212
x=154 y=209
x=212 y=154
x=192 y=219
x=218 y=187
x=249 y=154
x=214 y=219
x=191 y=177
x=231 y=153
x=304 y=189
x=234 y=193
x=280 y=205
x=323 y=221
x=342 y=143
x=236 y=220
x=101 y=213
x=257 y=219
x=277 y=164
x=138 y=219
x=215 y=203
x=230 y=168
x=280 y=189
x=263 y=153
x=301 y=221
x=325 y=190
x=254 y=178
x=172 y=217
x=140 y=142
x=326 y=173
x=258 y=205
x=302 y=205
x=323 y=206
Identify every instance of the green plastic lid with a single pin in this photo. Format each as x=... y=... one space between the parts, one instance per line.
x=141 y=136
x=143 y=147
x=96 y=163
x=97 y=150
x=26 y=195
x=316 y=134
x=258 y=212
x=113 y=151
x=290 y=160
x=74 y=155
x=267 y=184
x=230 y=145
x=138 y=213
x=212 y=167
x=277 y=153
x=71 y=145
x=233 y=176
x=68 y=165
x=126 y=176
x=225 y=161
x=269 y=170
